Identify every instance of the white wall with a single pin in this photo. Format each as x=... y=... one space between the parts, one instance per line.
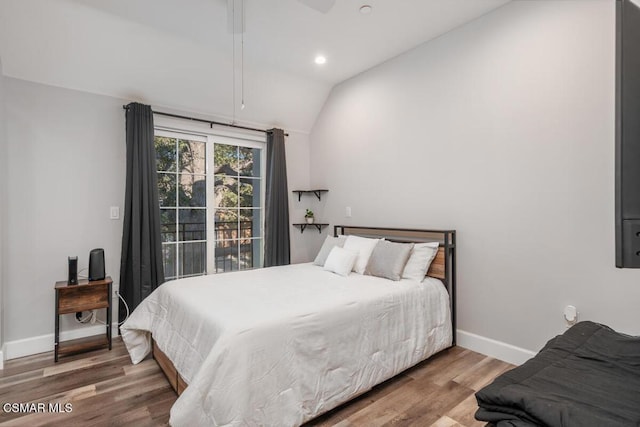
x=3 y=169
x=66 y=167
x=298 y=156
x=504 y=130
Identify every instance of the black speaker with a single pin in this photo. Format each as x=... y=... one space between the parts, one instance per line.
x=96 y=264
x=73 y=270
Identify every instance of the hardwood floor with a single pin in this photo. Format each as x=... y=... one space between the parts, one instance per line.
x=105 y=389
x=438 y=392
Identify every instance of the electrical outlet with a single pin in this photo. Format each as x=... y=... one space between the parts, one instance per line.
x=571 y=315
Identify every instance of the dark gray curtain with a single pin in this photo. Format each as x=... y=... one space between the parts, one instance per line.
x=276 y=230
x=141 y=269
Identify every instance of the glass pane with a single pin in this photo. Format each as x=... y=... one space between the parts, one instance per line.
x=226 y=256
x=193 y=258
x=193 y=190
x=225 y=159
x=192 y=156
x=226 y=191
x=246 y=253
x=249 y=192
x=168 y=225
x=226 y=224
x=165 y=153
x=249 y=223
x=167 y=189
x=169 y=260
x=192 y=225
x=249 y=161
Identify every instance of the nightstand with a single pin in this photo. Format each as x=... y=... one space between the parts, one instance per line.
x=85 y=296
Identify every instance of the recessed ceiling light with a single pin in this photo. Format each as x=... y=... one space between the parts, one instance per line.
x=320 y=60
x=365 y=9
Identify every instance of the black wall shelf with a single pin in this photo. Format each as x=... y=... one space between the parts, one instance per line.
x=304 y=225
x=318 y=193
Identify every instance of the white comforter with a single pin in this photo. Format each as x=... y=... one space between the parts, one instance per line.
x=279 y=346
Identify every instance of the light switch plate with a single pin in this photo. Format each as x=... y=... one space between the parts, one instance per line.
x=114 y=212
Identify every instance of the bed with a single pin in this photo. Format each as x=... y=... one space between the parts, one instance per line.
x=588 y=376
x=282 y=345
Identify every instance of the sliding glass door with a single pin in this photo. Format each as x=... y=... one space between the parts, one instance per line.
x=211 y=202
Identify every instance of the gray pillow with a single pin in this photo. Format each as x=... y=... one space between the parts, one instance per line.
x=388 y=259
x=329 y=243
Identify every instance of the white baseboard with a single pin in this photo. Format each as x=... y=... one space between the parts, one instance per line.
x=490 y=347
x=1 y=359
x=44 y=343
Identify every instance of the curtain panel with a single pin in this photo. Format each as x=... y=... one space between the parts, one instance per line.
x=141 y=268
x=276 y=240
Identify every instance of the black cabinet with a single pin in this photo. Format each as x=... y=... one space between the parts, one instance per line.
x=627 y=192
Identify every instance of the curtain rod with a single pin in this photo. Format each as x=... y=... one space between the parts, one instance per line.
x=211 y=122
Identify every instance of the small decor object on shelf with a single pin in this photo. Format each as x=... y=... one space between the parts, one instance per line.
x=309 y=216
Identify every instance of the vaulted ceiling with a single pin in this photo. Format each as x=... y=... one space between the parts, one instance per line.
x=179 y=54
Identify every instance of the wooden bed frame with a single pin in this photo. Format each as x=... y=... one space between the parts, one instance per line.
x=175 y=379
x=443 y=267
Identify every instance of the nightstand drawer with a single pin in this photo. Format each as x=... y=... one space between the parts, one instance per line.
x=77 y=298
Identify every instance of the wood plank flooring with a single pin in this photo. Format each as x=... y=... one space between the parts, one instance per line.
x=105 y=389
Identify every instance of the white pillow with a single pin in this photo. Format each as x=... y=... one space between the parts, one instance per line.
x=420 y=259
x=363 y=247
x=340 y=261
x=328 y=244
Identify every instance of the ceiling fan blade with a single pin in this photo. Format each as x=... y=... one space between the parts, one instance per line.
x=322 y=6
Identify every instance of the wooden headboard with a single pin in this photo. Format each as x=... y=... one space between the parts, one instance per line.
x=437 y=268
x=443 y=266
